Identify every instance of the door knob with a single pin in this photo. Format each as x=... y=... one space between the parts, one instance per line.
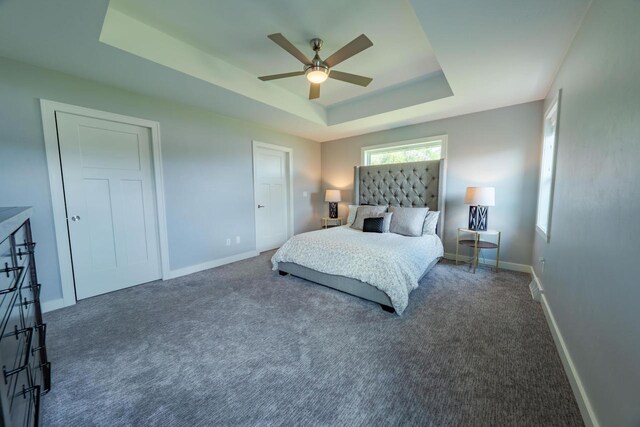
x=75 y=218
x=260 y=206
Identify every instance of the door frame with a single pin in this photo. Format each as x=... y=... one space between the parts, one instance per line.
x=54 y=166
x=288 y=152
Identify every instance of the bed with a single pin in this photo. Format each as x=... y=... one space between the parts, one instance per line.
x=383 y=268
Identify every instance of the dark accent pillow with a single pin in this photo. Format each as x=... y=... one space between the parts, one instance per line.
x=373 y=225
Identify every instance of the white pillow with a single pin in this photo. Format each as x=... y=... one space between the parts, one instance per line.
x=430 y=222
x=352 y=214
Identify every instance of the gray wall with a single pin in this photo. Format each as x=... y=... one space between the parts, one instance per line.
x=207 y=165
x=591 y=277
x=493 y=148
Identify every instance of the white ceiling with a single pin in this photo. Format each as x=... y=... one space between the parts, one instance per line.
x=236 y=32
x=431 y=58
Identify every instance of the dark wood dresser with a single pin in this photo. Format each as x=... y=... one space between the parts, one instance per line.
x=26 y=372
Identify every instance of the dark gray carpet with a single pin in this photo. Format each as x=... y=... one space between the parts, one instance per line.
x=240 y=345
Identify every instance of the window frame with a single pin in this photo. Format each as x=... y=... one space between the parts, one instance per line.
x=551 y=113
x=393 y=146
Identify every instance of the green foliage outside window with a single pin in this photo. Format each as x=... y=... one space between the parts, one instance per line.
x=405 y=155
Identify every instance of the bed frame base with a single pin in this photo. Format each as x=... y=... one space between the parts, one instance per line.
x=342 y=283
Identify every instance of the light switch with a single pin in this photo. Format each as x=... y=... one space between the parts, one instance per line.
x=305 y=194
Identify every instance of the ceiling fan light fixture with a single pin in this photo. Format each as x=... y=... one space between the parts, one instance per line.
x=318 y=71
x=317 y=74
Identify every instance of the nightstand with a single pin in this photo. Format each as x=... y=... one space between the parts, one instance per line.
x=478 y=243
x=330 y=222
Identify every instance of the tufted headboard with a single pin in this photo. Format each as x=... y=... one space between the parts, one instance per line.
x=416 y=184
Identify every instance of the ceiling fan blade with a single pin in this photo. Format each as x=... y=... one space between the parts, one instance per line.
x=350 y=78
x=281 y=76
x=355 y=46
x=281 y=41
x=314 y=91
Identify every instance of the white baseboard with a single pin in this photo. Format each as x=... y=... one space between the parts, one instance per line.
x=51 y=305
x=579 y=392
x=492 y=262
x=55 y=304
x=210 y=264
x=588 y=414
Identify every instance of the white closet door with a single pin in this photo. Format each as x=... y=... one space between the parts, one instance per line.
x=270 y=183
x=110 y=200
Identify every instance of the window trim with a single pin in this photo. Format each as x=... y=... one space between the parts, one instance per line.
x=442 y=139
x=553 y=109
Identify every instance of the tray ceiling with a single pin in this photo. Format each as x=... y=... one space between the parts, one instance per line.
x=236 y=32
x=431 y=58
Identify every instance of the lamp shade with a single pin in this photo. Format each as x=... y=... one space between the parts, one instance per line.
x=480 y=196
x=332 y=196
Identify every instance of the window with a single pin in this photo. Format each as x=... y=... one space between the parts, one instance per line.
x=545 y=191
x=417 y=150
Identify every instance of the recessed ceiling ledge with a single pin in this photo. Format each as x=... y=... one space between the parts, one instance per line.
x=121 y=31
x=416 y=92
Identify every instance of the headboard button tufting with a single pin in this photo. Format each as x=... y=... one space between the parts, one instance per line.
x=409 y=184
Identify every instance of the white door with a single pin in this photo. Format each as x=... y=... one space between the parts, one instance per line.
x=110 y=201
x=271 y=191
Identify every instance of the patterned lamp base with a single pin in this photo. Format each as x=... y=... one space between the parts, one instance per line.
x=333 y=210
x=478 y=218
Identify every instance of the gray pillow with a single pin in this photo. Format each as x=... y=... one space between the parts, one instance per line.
x=367 y=212
x=386 y=223
x=407 y=221
x=352 y=214
x=430 y=222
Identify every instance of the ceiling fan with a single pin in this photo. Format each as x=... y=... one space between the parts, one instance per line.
x=317 y=70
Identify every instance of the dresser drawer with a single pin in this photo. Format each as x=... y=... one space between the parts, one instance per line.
x=23 y=400
x=35 y=364
x=21 y=236
x=24 y=247
x=12 y=342
x=7 y=278
x=7 y=301
x=29 y=296
x=41 y=368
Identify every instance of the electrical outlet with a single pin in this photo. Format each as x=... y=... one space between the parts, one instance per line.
x=237 y=239
x=228 y=242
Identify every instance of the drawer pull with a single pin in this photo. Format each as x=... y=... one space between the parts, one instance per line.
x=25 y=364
x=26 y=302
x=28 y=245
x=16 y=332
x=7 y=374
x=35 y=391
x=29 y=390
x=21 y=254
x=8 y=269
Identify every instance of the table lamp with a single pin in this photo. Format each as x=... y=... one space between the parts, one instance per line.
x=333 y=197
x=479 y=198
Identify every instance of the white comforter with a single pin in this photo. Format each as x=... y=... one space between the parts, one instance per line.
x=388 y=261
